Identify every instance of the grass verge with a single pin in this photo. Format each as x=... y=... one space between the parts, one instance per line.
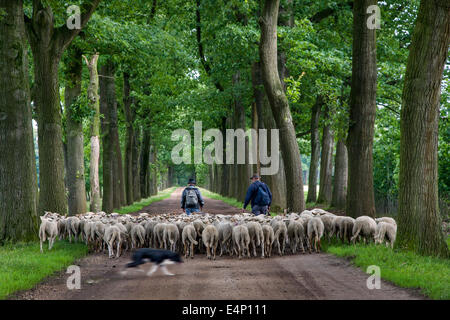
x=231 y=201
x=22 y=265
x=164 y=194
x=403 y=268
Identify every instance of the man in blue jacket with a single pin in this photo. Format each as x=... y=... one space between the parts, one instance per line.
x=260 y=196
x=191 y=199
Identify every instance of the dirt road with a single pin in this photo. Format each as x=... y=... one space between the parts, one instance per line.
x=310 y=276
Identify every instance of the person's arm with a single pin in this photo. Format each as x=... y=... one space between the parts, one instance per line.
x=200 y=199
x=249 y=194
x=270 y=194
x=183 y=200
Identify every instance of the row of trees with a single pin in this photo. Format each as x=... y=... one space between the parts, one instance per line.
x=140 y=69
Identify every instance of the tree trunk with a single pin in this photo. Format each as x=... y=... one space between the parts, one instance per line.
x=315 y=151
x=48 y=44
x=360 y=197
x=242 y=170
x=280 y=107
x=18 y=188
x=224 y=172
x=145 y=162
x=326 y=164
x=94 y=103
x=276 y=182
x=419 y=221
x=74 y=136
x=340 y=176
x=52 y=195
x=106 y=102
x=129 y=139
x=136 y=166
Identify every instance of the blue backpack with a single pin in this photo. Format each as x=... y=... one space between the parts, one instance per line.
x=262 y=197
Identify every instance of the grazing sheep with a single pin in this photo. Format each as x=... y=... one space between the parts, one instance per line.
x=210 y=238
x=386 y=219
x=268 y=239
x=335 y=228
x=256 y=236
x=386 y=231
x=327 y=220
x=113 y=235
x=315 y=228
x=171 y=236
x=188 y=237
x=296 y=235
x=137 y=234
x=346 y=228
x=280 y=232
x=48 y=230
x=364 y=226
x=241 y=240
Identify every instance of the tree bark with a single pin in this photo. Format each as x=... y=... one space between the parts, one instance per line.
x=315 y=151
x=280 y=106
x=241 y=170
x=18 y=186
x=326 y=164
x=340 y=176
x=276 y=182
x=136 y=166
x=74 y=136
x=94 y=103
x=106 y=103
x=419 y=221
x=145 y=163
x=48 y=44
x=360 y=197
x=129 y=139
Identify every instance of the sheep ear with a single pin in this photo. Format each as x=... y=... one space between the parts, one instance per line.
x=42 y=218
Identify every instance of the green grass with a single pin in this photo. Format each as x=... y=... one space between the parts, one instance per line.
x=403 y=268
x=22 y=265
x=145 y=202
x=231 y=201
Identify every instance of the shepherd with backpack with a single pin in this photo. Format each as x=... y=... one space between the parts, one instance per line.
x=191 y=199
x=260 y=196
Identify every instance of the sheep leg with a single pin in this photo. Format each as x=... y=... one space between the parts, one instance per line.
x=41 y=245
x=118 y=249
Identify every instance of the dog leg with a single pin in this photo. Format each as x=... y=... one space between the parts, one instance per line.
x=166 y=272
x=152 y=270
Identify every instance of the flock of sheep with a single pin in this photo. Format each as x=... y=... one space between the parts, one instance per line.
x=240 y=234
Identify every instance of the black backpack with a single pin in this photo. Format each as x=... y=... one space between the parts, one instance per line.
x=191 y=198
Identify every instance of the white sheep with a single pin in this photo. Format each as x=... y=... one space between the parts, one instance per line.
x=364 y=226
x=48 y=230
x=386 y=232
x=315 y=228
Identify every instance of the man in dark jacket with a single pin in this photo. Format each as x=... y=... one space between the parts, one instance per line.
x=191 y=199
x=260 y=196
